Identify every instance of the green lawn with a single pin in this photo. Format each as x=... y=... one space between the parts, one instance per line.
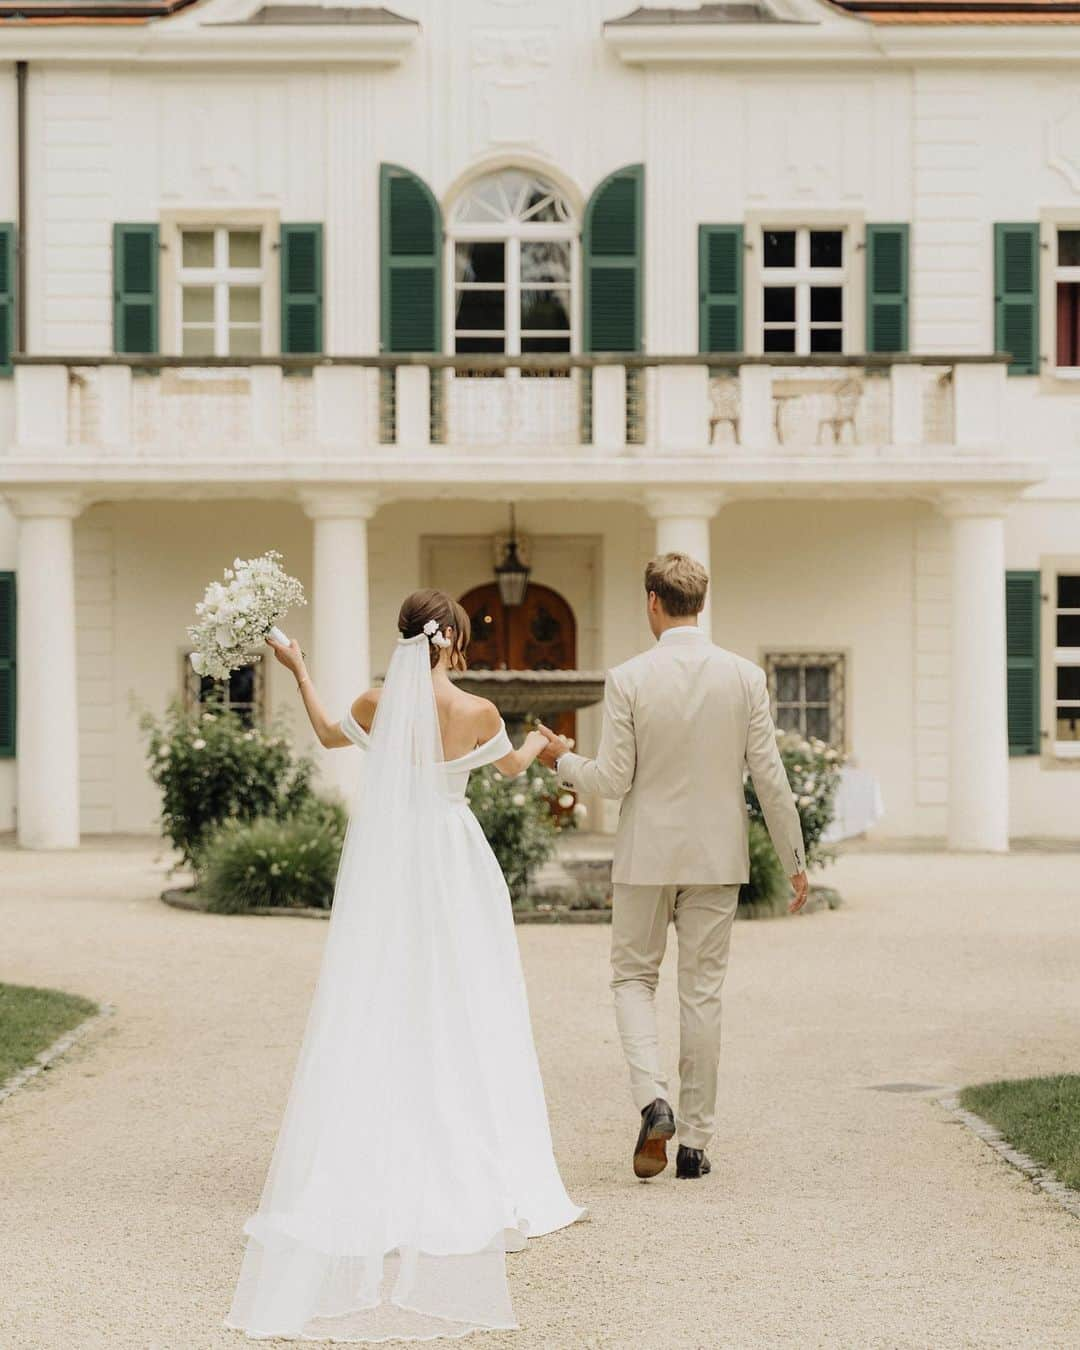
x=1038 y=1116
x=31 y=1019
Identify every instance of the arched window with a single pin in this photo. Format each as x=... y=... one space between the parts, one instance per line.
x=513 y=266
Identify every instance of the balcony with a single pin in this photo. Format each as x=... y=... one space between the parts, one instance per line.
x=593 y=418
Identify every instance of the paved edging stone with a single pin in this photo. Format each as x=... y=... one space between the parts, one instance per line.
x=1041 y=1176
x=60 y=1046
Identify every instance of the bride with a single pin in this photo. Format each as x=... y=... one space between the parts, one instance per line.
x=415 y=1149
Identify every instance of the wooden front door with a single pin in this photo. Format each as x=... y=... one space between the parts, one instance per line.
x=539 y=634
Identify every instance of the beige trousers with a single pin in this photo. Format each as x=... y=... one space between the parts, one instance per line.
x=703 y=916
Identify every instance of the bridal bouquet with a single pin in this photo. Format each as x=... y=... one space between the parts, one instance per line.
x=236 y=615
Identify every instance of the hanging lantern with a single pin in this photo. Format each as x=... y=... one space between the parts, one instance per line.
x=511 y=575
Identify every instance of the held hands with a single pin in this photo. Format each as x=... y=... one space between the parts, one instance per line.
x=801 y=887
x=554 y=746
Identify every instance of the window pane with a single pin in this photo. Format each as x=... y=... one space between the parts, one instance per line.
x=245 y=342
x=817 y=723
x=545 y=344
x=1068 y=724
x=826 y=340
x=787 y=684
x=778 y=248
x=1068 y=682
x=197 y=248
x=1068 y=630
x=788 y=717
x=242 y=685
x=817 y=684
x=197 y=342
x=198 y=304
x=779 y=304
x=1068 y=592
x=245 y=304
x=481 y=309
x=826 y=304
x=779 y=339
x=544 y=260
x=480 y=262
x=1069 y=248
x=826 y=248
x=1068 y=323
x=244 y=248
x=545 y=310
x=467 y=345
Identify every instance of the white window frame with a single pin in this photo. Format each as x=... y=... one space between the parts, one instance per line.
x=512 y=234
x=773 y=658
x=1058 y=276
x=852 y=274
x=174 y=275
x=1055 y=657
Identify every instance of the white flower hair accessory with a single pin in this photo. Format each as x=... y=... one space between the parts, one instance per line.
x=435 y=635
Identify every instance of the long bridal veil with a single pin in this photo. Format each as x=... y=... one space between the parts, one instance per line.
x=385 y=1209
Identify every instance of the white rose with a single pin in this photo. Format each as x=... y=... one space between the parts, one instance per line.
x=225 y=635
x=518 y=799
x=581 y=810
x=198 y=663
x=198 y=744
x=566 y=800
x=163 y=752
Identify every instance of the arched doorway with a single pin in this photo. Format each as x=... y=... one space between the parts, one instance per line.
x=539 y=634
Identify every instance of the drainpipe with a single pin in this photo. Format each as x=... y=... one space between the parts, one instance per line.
x=21 y=213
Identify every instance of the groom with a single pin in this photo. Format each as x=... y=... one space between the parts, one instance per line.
x=680 y=723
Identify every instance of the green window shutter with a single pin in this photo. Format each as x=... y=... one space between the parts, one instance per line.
x=887 y=270
x=7 y=297
x=613 y=249
x=1016 y=295
x=1022 y=617
x=720 y=288
x=302 y=289
x=410 y=240
x=7 y=665
x=135 y=289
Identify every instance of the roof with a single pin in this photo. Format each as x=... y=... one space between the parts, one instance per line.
x=88 y=11
x=750 y=12
x=995 y=12
x=280 y=15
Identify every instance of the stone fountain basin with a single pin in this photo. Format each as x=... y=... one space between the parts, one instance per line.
x=538 y=693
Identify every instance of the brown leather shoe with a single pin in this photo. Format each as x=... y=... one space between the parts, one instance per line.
x=657 y=1127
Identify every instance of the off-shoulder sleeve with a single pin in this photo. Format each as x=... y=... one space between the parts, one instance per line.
x=354 y=731
x=488 y=753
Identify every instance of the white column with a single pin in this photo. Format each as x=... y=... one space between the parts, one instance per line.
x=341 y=645
x=978 y=731
x=47 y=733
x=683 y=522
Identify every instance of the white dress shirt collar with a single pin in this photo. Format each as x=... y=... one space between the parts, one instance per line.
x=681 y=633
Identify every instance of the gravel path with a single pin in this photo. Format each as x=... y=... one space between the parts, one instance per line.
x=836 y=1215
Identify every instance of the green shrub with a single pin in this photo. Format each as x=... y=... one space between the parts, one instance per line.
x=813 y=770
x=515 y=815
x=767 y=892
x=288 y=863
x=211 y=768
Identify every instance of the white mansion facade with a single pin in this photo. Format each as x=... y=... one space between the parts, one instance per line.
x=792 y=285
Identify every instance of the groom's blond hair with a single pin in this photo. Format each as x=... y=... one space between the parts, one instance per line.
x=679 y=582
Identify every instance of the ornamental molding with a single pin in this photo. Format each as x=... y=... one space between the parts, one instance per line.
x=1062 y=133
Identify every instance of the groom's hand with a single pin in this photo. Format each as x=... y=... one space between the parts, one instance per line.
x=556 y=746
x=801 y=887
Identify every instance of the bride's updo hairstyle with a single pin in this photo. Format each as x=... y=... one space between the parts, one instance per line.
x=421 y=607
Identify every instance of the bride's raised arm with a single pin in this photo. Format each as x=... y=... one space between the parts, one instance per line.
x=329 y=732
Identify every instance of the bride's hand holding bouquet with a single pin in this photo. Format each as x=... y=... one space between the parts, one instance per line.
x=239 y=613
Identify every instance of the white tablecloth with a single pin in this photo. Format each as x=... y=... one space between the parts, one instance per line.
x=859 y=805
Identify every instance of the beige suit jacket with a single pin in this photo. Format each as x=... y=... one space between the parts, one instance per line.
x=681 y=722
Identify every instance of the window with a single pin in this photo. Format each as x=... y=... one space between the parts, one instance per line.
x=513 y=267
x=1067 y=298
x=806 y=691
x=244 y=694
x=220 y=281
x=1066 y=637
x=803 y=275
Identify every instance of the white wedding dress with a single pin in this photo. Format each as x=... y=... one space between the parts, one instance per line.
x=415 y=1148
